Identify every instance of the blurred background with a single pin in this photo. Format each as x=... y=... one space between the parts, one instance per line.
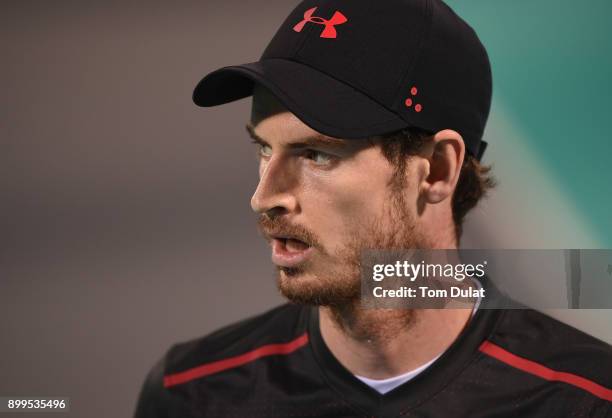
x=125 y=215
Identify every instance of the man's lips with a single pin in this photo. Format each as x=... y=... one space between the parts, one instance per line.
x=289 y=252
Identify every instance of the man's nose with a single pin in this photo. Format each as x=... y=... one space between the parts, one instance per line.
x=275 y=193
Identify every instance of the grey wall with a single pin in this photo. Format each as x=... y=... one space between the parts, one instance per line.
x=125 y=212
x=126 y=223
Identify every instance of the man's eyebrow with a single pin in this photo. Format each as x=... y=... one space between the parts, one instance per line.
x=314 y=140
x=254 y=136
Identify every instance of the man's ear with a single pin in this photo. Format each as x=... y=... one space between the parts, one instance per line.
x=445 y=158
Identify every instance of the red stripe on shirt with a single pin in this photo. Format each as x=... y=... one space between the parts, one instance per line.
x=544 y=372
x=236 y=361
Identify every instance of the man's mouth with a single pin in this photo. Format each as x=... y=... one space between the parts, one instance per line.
x=289 y=251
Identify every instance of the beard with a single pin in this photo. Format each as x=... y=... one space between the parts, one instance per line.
x=334 y=279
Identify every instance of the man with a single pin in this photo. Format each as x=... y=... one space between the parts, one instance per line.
x=368 y=118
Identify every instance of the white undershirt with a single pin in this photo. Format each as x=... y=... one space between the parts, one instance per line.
x=385 y=385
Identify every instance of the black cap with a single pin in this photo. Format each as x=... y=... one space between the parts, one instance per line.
x=359 y=68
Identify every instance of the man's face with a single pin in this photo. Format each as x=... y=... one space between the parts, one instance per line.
x=321 y=201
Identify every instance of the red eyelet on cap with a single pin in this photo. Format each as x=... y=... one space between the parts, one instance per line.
x=408 y=102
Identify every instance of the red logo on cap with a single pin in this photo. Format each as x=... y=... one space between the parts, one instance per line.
x=329 y=31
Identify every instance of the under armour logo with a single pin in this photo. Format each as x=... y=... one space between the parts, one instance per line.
x=329 y=31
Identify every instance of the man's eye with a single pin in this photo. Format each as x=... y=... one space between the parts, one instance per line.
x=264 y=150
x=318 y=157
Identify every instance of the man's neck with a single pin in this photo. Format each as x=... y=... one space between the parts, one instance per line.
x=383 y=343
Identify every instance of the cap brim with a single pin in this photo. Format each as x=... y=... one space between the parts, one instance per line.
x=327 y=105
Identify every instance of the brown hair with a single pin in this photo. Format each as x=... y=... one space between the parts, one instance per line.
x=475 y=179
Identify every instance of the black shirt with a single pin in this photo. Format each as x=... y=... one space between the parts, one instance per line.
x=505 y=363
